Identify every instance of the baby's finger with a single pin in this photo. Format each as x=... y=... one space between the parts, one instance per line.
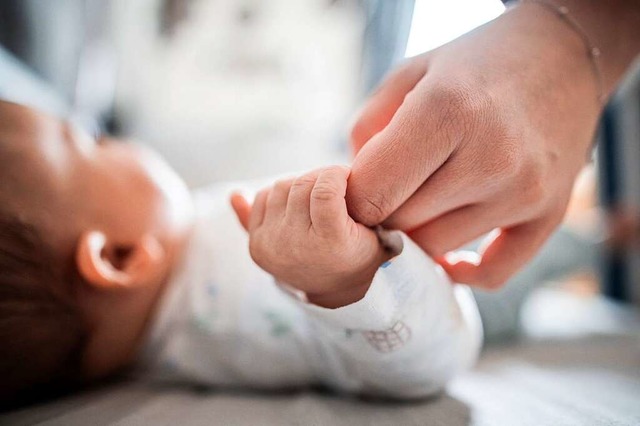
x=299 y=198
x=277 y=200
x=258 y=209
x=242 y=208
x=327 y=205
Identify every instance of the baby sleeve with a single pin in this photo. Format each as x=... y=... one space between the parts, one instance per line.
x=410 y=334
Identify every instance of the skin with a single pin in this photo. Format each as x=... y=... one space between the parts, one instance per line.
x=122 y=217
x=116 y=210
x=321 y=250
x=488 y=133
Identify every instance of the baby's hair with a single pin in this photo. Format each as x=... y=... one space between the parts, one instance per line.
x=41 y=329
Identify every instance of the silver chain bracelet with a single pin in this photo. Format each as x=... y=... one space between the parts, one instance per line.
x=593 y=52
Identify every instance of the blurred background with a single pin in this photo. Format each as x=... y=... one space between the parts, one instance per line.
x=242 y=89
x=228 y=89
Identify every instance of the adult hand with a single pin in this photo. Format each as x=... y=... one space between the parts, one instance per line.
x=485 y=133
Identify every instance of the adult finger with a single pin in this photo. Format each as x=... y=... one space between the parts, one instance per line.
x=384 y=103
x=258 y=209
x=451 y=187
x=328 y=210
x=461 y=226
x=398 y=160
x=277 y=200
x=503 y=254
x=300 y=198
x=242 y=208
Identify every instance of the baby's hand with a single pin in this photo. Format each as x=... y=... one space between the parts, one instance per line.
x=300 y=232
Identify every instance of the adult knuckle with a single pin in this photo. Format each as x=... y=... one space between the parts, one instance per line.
x=458 y=100
x=463 y=110
x=447 y=93
x=493 y=142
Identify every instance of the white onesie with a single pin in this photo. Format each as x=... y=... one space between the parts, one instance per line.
x=225 y=322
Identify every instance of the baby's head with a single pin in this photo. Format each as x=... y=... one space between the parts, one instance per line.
x=89 y=232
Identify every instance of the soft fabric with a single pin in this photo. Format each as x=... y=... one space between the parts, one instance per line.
x=224 y=321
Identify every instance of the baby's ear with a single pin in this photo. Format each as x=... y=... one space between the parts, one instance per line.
x=104 y=264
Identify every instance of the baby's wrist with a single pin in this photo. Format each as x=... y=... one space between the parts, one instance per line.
x=338 y=299
x=352 y=287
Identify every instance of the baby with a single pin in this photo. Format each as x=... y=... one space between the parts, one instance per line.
x=106 y=260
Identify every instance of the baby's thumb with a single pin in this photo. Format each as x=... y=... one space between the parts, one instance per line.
x=242 y=208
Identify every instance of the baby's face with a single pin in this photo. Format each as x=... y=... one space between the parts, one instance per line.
x=66 y=181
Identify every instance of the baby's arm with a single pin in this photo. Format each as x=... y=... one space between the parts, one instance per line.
x=383 y=322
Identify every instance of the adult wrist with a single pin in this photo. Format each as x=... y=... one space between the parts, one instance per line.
x=613 y=26
x=593 y=52
x=560 y=47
